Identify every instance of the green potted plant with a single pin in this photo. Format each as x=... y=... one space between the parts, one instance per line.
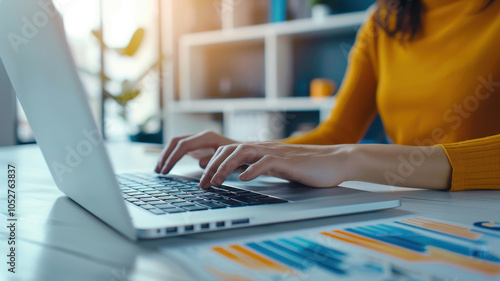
x=129 y=90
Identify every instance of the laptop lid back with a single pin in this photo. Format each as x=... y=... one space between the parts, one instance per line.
x=38 y=61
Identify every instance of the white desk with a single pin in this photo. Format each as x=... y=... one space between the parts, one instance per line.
x=57 y=240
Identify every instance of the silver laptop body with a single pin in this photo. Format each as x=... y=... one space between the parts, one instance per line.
x=40 y=66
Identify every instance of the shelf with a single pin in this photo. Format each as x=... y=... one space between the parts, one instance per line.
x=308 y=27
x=257 y=72
x=252 y=104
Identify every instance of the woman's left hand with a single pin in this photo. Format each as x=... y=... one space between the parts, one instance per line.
x=317 y=166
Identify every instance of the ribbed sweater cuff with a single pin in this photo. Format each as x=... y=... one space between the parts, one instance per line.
x=475 y=163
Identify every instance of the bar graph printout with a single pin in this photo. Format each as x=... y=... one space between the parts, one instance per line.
x=402 y=248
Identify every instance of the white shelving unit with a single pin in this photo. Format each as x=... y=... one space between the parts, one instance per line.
x=246 y=104
x=269 y=52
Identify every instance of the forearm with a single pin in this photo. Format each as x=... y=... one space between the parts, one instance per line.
x=318 y=136
x=409 y=166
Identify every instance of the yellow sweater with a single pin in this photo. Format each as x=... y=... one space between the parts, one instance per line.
x=442 y=87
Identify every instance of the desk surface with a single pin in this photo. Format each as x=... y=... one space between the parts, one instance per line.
x=57 y=240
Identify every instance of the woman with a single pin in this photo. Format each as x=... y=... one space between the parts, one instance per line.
x=431 y=69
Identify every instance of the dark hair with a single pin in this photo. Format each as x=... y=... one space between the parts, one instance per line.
x=402 y=16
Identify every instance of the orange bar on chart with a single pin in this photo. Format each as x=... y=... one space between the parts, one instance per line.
x=443 y=228
x=433 y=254
x=250 y=259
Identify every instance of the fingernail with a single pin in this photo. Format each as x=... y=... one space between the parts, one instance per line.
x=204 y=185
x=215 y=181
x=202 y=182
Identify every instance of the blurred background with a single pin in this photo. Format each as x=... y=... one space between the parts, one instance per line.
x=250 y=69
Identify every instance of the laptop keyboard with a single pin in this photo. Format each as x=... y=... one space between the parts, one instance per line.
x=169 y=195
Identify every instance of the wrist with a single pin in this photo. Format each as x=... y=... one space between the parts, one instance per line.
x=348 y=155
x=365 y=163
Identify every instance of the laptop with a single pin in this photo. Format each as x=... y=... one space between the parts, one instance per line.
x=40 y=66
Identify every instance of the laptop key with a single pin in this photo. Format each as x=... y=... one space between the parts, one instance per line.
x=232 y=203
x=246 y=193
x=167 y=197
x=194 y=208
x=177 y=200
x=155 y=185
x=164 y=206
x=134 y=193
x=272 y=200
x=157 y=211
x=221 y=192
x=196 y=191
x=211 y=205
x=210 y=196
x=250 y=201
x=191 y=190
x=164 y=188
x=182 y=204
x=244 y=199
x=177 y=193
x=147 y=189
x=154 y=192
x=197 y=200
x=173 y=210
x=186 y=196
x=155 y=202
x=146 y=206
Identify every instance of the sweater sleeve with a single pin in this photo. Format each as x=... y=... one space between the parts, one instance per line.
x=355 y=106
x=475 y=163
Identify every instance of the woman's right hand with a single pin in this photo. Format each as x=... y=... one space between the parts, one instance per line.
x=201 y=146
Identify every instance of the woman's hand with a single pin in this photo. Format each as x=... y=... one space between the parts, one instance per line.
x=325 y=166
x=201 y=146
x=317 y=166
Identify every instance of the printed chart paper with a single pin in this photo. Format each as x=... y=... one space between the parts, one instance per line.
x=403 y=248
